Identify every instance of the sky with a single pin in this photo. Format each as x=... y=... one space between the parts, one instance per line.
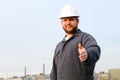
x=31 y=29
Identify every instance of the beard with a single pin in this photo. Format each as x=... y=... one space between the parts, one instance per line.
x=70 y=31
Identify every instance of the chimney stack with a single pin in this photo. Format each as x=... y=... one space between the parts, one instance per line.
x=25 y=72
x=43 y=69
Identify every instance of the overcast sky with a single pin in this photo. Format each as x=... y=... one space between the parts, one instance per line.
x=30 y=30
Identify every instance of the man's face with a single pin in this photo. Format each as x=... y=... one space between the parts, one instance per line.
x=69 y=24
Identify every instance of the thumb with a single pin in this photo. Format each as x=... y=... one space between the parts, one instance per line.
x=80 y=46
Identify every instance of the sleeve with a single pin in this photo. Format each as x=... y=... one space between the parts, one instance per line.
x=92 y=48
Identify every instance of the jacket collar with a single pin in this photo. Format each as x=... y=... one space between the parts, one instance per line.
x=77 y=33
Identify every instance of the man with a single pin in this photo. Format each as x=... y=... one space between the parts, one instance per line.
x=76 y=55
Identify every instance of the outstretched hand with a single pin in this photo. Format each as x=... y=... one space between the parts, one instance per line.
x=83 y=55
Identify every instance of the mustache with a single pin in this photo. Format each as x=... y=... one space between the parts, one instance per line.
x=69 y=25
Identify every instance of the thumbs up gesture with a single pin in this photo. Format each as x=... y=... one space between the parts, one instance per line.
x=83 y=55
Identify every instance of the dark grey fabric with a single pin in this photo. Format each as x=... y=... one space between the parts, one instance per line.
x=66 y=63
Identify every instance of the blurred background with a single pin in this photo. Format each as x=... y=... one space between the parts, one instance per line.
x=31 y=29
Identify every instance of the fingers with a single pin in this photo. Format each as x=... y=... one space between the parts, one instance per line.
x=81 y=49
x=83 y=57
x=82 y=53
x=80 y=46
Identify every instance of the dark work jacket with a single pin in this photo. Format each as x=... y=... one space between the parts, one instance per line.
x=66 y=62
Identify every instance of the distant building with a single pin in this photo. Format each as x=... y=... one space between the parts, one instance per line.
x=30 y=77
x=1 y=78
x=14 y=78
x=46 y=77
x=114 y=74
x=37 y=77
x=102 y=76
x=33 y=77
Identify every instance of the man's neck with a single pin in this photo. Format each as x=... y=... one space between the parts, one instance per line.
x=68 y=36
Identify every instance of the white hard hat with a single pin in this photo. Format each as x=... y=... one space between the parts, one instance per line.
x=68 y=11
